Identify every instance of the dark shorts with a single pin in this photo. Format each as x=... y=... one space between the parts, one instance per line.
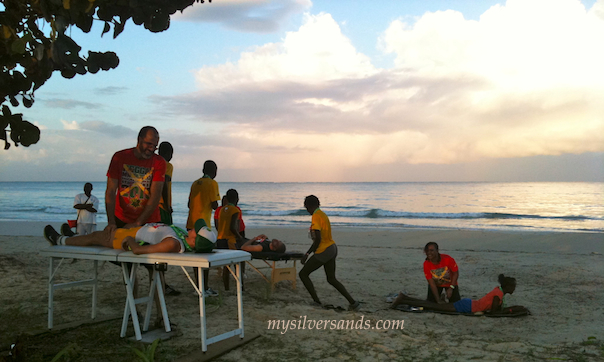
x=463 y=305
x=329 y=253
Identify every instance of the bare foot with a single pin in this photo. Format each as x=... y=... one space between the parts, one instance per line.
x=399 y=299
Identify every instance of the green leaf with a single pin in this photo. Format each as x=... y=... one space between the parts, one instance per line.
x=18 y=46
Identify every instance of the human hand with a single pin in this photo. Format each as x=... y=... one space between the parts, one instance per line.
x=449 y=293
x=304 y=259
x=126 y=246
x=111 y=227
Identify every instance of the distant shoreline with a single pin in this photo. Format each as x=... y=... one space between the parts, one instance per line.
x=34 y=228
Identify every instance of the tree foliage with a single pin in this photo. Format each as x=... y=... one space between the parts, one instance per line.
x=34 y=44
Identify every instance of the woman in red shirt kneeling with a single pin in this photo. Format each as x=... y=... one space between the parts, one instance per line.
x=492 y=302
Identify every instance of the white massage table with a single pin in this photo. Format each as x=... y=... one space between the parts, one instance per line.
x=202 y=261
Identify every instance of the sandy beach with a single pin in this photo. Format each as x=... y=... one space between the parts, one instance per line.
x=560 y=279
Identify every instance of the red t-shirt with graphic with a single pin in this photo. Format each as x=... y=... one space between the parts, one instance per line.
x=441 y=272
x=134 y=177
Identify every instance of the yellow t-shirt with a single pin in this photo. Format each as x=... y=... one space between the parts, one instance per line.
x=224 y=224
x=166 y=204
x=320 y=222
x=203 y=192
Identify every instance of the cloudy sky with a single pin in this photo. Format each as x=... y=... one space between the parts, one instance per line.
x=339 y=90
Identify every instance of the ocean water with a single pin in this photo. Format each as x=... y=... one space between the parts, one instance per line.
x=547 y=206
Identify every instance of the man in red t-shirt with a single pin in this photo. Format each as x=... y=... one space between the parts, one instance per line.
x=135 y=180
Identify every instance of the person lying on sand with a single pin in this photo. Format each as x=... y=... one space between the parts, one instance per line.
x=150 y=238
x=262 y=243
x=491 y=302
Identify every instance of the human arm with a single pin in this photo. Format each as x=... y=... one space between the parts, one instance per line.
x=434 y=290
x=110 y=203
x=454 y=276
x=167 y=245
x=316 y=240
x=87 y=207
x=234 y=226
x=152 y=205
x=250 y=246
x=496 y=305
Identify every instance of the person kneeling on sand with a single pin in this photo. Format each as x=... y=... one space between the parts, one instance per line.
x=492 y=302
x=150 y=238
x=262 y=243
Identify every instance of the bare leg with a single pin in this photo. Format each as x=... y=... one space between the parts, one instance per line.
x=311 y=265
x=404 y=299
x=330 y=273
x=97 y=238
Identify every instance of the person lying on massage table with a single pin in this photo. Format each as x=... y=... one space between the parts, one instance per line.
x=491 y=302
x=262 y=243
x=150 y=238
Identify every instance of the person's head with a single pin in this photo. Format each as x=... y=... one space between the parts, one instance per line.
x=147 y=141
x=165 y=150
x=311 y=203
x=431 y=251
x=508 y=284
x=88 y=189
x=277 y=246
x=225 y=201
x=232 y=196
x=210 y=168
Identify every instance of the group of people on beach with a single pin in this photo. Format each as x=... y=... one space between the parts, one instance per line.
x=139 y=214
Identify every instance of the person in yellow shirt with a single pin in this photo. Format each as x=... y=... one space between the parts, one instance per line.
x=203 y=198
x=324 y=251
x=228 y=229
x=228 y=222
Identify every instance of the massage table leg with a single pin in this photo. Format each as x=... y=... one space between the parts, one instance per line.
x=202 y=309
x=94 y=287
x=51 y=292
x=130 y=308
x=52 y=287
x=239 y=297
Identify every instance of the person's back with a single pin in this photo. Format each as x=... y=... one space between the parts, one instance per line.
x=228 y=222
x=225 y=231
x=204 y=196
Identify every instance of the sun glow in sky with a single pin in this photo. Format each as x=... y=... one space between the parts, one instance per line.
x=294 y=90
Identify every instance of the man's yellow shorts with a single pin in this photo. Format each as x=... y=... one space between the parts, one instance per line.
x=121 y=234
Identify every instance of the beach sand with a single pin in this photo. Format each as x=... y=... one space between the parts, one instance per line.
x=560 y=278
